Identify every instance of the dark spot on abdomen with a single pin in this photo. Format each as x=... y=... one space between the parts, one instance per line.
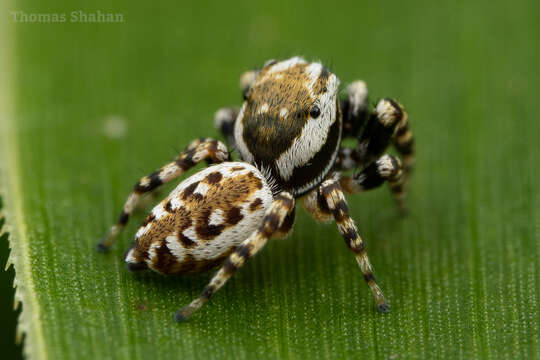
x=186 y=241
x=234 y=216
x=168 y=207
x=214 y=178
x=256 y=204
x=188 y=191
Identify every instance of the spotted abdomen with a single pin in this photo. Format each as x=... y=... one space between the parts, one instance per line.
x=202 y=220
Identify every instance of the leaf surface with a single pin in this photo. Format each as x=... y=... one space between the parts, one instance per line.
x=92 y=107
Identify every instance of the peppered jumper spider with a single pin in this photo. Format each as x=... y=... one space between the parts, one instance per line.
x=288 y=133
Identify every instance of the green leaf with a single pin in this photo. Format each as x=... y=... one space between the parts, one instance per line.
x=89 y=108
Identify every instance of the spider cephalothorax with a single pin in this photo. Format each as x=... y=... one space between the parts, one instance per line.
x=288 y=133
x=290 y=123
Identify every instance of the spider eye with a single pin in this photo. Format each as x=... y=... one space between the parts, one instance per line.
x=315 y=112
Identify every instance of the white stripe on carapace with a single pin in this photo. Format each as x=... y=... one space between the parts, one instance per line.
x=313 y=70
x=323 y=174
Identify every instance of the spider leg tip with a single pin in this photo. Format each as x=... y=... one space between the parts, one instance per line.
x=102 y=248
x=180 y=317
x=384 y=308
x=403 y=212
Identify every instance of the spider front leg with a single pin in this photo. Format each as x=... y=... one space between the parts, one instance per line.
x=355 y=108
x=403 y=141
x=224 y=120
x=389 y=123
x=331 y=200
x=379 y=130
x=197 y=151
x=385 y=169
x=355 y=115
x=273 y=220
x=248 y=78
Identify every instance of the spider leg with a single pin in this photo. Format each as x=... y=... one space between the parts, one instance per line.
x=224 y=120
x=331 y=201
x=381 y=126
x=347 y=159
x=247 y=79
x=148 y=200
x=379 y=130
x=197 y=151
x=285 y=229
x=385 y=169
x=355 y=108
x=388 y=123
x=273 y=219
x=403 y=141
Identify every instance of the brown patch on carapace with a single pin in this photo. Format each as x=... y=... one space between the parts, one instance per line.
x=319 y=87
x=267 y=133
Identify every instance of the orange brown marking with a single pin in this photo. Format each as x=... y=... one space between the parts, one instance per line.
x=186 y=241
x=233 y=216
x=255 y=205
x=214 y=178
x=188 y=191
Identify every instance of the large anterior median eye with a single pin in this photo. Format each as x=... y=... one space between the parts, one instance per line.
x=315 y=112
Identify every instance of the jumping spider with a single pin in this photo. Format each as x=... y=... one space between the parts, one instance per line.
x=288 y=133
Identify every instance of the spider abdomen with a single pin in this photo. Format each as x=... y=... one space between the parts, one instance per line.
x=202 y=220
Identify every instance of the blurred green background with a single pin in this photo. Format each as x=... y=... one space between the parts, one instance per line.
x=461 y=272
